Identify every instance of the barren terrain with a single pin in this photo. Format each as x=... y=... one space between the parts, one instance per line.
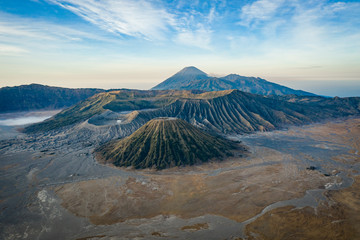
x=291 y=184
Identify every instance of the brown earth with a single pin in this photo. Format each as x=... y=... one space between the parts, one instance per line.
x=195 y=227
x=238 y=189
x=337 y=219
x=190 y=192
x=344 y=133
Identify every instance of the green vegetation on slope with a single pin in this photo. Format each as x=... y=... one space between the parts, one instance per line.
x=40 y=97
x=163 y=143
x=126 y=100
x=229 y=111
x=118 y=101
x=233 y=111
x=77 y=113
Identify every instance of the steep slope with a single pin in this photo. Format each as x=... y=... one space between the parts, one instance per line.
x=192 y=78
x=239 y=112
x=210 y=84
x=230 y=111
x=77 y=113
x=40 y=97
x=163 y=143
x=183 y=78
x=118 y=101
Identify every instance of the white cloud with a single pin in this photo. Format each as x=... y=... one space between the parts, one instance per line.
x=194 y=28
x=212 y=15
x=324 y=25
x=298 y=24
x=9 y=28
x=201 y=37
x=10 y=50
x=259 y=11
x=19 y=36
x=13 y=28
x=137 y=18
x=146 y=19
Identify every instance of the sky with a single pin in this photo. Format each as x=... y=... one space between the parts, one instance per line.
x=312 y=45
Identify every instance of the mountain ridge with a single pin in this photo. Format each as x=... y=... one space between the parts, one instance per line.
x=228 y=111
x=234 y=111
x=199 y=80
x=41 y=97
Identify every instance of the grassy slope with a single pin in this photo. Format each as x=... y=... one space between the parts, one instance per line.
x=36 y=96
x=137 y=100
x=163 y=143
x=229 y=111
x=122 y=100
x=234 y=111
x=77 y=113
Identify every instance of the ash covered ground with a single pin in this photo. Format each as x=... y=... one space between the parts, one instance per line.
x=58 y=190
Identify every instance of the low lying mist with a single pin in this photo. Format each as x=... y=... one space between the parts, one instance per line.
x=24 y=118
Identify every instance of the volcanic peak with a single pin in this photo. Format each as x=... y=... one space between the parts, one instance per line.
x=191 y=70
x=163 y=143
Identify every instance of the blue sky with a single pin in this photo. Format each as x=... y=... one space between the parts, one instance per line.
x=138 y=43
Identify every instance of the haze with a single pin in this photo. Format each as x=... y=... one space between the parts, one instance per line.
x=309 y=45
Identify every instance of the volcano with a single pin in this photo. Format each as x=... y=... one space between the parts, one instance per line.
x=163 y=143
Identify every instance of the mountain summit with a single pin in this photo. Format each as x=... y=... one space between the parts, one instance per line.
x=191 y=71
x=163 y=143
x=191 y=78
x=185 y=77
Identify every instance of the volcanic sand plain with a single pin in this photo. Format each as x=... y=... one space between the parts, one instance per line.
x=292 y=184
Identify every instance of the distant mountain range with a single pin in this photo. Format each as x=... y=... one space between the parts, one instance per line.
x=40 y=97
x=191 y=78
